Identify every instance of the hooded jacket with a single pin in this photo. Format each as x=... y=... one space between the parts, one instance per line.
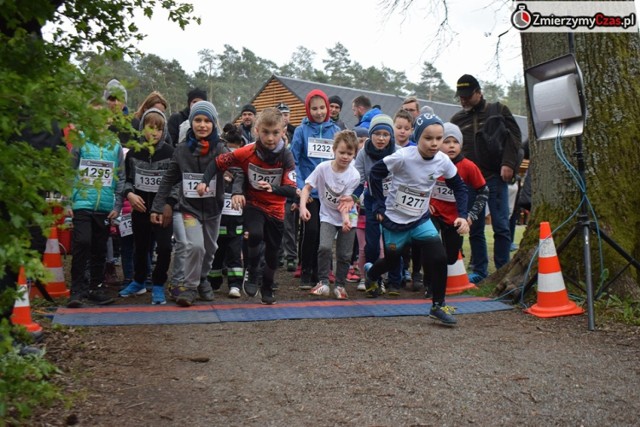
x=365 y=121
x=300 y=143
x=90 y=161
x=140 y=164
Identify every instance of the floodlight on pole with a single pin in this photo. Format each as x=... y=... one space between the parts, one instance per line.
x=556 y=98
x=558 y=110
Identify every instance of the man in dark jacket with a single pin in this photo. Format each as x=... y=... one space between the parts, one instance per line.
x=247 y=120
x=176 y=119
x=470 y=120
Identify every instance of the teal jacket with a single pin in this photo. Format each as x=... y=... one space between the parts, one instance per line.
x=100 y=179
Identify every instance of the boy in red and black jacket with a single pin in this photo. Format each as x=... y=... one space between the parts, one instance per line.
x=270 y=178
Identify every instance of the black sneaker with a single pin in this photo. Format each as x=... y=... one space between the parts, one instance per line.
x=75 y=301
x=268 y=296
x=394 y=290
x=443 y=313
x=428 y=293
x=205 y=292
x=100 y=297
x=416 y=285
x=187 y=297
x=250 y=284
x=291 y=265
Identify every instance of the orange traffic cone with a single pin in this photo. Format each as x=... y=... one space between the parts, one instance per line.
x=553 y=300
x=457 y=279
x=22 y=309
x=56 y=287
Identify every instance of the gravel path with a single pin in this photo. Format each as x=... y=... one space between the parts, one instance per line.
x=501 y=368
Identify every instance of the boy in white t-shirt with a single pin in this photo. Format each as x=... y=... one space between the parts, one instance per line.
x=335 y=182
x=404 y=213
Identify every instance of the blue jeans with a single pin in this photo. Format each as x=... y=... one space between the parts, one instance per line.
x=499 y=209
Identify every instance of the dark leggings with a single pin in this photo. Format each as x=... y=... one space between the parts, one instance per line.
x=262 y=228
x=433 y=260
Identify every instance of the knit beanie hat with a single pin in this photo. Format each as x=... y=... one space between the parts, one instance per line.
x=205 y=108
x=196 y=93
x=115 y=89
x=361 y=132
x=452 y=130
x=158 y=112
x=250 y=108
x=335 y=99
x=422 y=122
x=426 y=109
x=379 y=122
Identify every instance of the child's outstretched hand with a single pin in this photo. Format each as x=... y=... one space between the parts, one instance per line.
x=202 y=188
x=238 y=201
x=345 y=204
x=264 y=185
x=346 y=225
x=461 y=225
x=305 y=215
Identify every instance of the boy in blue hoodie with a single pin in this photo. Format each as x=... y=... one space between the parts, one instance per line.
x=312 y=144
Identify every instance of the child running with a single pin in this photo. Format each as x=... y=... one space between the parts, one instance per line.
x=201 y=213
x=144 y=170
x=270 y=175
x=404 y=213
x=312 y=144
x=443 y=204
x=334 y=181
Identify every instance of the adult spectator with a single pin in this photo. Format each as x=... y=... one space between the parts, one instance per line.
x=362 y=110
x=335 y=107
x=286 y=116
x=247 y=119
x=411 y=105
x=176 y=119
x=471 y=120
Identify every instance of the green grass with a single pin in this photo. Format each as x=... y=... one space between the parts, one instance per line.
x=488 y=232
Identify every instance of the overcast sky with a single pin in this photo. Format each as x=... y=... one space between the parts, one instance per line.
x=274 y=29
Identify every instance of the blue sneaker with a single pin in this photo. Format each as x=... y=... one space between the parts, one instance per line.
x=476 y=278
x=443 y=313
x=134 y=288
x=372 y=290
x=157 y=295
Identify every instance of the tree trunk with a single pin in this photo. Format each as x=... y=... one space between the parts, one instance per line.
x=610 y=63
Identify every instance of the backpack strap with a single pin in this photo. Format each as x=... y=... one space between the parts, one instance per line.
x=494 y=109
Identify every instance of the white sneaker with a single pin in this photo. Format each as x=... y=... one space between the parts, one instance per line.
x=362 y=286
x=340 y=292
x=321 y=289
x=234 y=292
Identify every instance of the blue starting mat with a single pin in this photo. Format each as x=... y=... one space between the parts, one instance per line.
x=251 y=312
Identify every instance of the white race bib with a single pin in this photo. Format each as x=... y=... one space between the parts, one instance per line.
x=442 y=192
x=190 y=182
x=148 y=180
x=227 y=209
x=53 y=197
x=331 y=197
x=257 y=174
x=413 y=201
x=125 y=226
x=92 y=170
x=321 y=148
